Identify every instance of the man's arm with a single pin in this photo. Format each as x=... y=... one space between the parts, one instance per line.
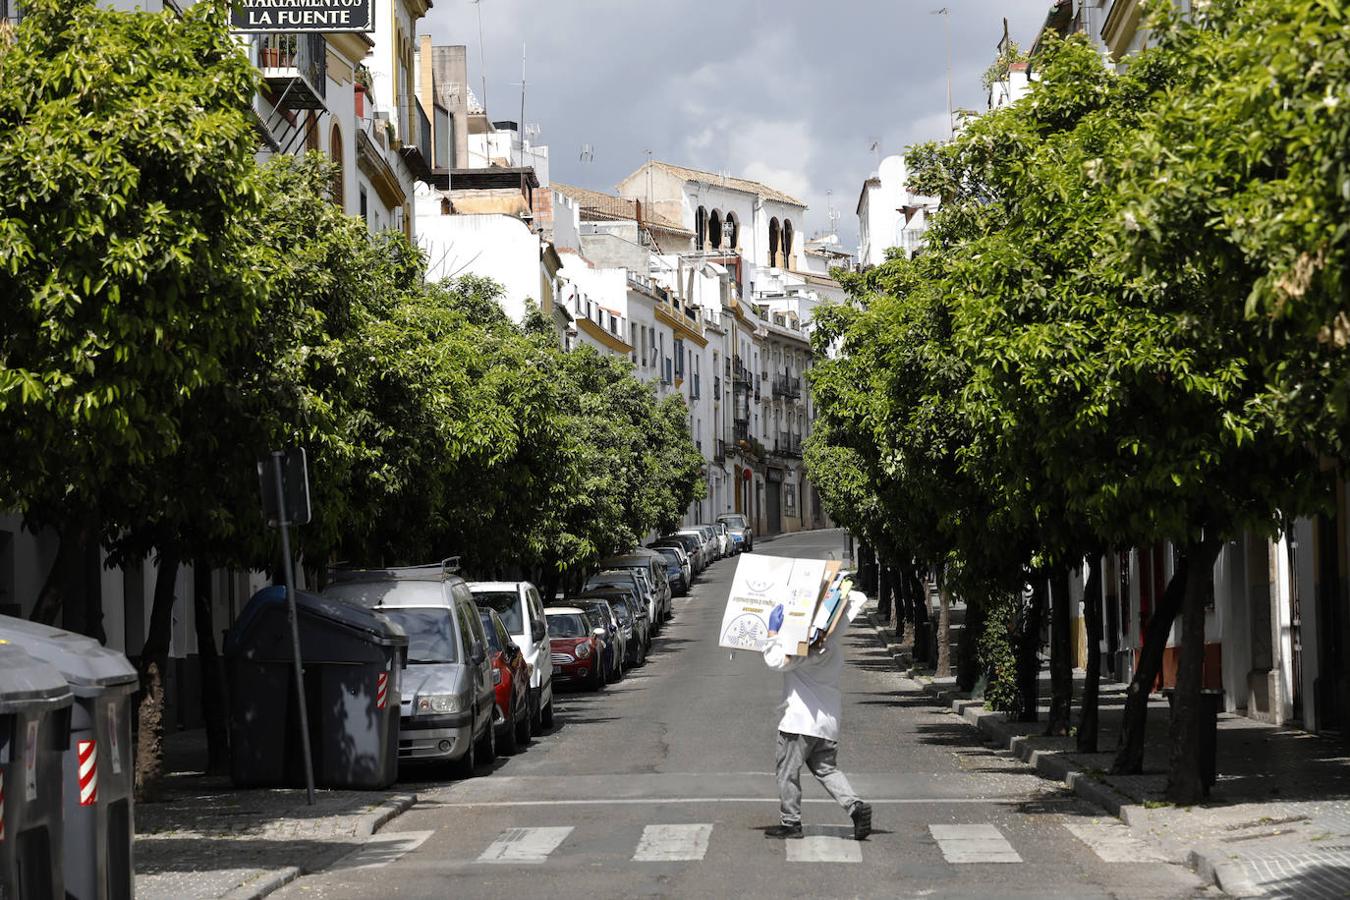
x=777 y=658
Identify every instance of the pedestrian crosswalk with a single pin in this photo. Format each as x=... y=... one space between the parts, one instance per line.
x=958 y=843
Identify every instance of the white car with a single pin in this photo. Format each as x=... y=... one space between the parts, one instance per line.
x=518 y=605
x=704 y=545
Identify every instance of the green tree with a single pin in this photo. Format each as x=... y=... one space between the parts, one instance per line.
x=127 y=181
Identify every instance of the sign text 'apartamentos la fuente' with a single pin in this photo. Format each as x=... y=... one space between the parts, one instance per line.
x=261 y=16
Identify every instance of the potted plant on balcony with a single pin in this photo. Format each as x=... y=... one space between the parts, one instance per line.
x=362 y=89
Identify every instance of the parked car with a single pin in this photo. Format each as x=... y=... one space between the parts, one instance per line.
x=448 y=698
x=522 y=612
x=575 y=647
x=724 y=535
x=511 y=684
x=692 y=546
x=616 y=640
x=677 y=566
x=637 y=610
x=653 y=566
x=634 y=628
x=625 y=578
x=739 y=528
x=704 y=544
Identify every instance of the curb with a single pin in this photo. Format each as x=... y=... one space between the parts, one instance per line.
x=1052 y=766
x=367 y=825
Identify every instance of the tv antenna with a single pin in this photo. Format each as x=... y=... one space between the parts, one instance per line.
x=832 y=213
x=947 y=28
x=482 y=60
x=874 y=147
x=587 y=153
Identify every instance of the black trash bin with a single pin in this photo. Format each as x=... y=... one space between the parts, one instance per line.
x=34 y=733
x=353 y=659
x=99 y=808
x=1211 y=704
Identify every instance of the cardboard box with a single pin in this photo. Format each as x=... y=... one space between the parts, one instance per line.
x=762 y=583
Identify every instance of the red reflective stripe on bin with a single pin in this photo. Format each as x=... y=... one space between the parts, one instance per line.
x=87 y=752
x=382 y=690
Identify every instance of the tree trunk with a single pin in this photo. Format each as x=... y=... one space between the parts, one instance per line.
x=1061 y=648
x=1092 y=617
x=884 y=596
x=154 y=669
x=918 y=593
x=1130 y=751
x=943 y=669
x=1028 y=653
x=214 y=707
x=1184 y=783
x=968 y=651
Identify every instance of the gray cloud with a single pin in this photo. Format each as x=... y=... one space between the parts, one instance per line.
x=787 y=92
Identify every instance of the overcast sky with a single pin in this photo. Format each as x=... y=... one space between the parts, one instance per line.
x=791 y=93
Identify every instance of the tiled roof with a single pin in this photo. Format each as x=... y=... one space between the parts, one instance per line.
x=736 y=184
x=610 y=207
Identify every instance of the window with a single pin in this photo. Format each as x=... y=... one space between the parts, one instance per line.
x=773 y=242
x=700 y=228
x=339 y=174
x=679 y=357
x=733 y=231
x=787 y=242
x=715 y=230
x=364 y=205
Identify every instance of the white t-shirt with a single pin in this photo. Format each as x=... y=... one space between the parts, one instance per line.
x=812 y=702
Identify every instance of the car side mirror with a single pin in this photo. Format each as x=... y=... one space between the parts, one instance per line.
x=599 y=631
x=538 y=632
x=477 y=654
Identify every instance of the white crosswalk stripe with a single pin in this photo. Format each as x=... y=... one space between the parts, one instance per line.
x=1113 y=842
x=825 y=843
x=665 y=843
x=973 y=844
x=382 y=849
x=524 y=845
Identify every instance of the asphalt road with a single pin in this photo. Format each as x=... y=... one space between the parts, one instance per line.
x=662 y=785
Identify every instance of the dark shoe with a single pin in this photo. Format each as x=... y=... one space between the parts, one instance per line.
x=862 y=821
x=783 y=832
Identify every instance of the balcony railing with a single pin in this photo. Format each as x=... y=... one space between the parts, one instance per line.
x=720 y=454
x=295 y=67
x=740 y=375
x=740 y=430
x=788 y=444
x=786 y=385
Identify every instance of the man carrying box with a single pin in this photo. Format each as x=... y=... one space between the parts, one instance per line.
x=809 y=730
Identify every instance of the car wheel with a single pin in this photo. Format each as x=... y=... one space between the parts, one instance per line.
x=487 y=751
x=597 y=678
x=536 y=716
x=510 y=744
x=546 y=714
x=642 y=654
x=523 y=729
x=466 y=765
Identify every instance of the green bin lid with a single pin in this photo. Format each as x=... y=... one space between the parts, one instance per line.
x=89 y=666
x=27 y=684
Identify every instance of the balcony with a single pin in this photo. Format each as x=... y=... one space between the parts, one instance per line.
x=295 y=69
x=741 y=377
x=740 y=430
x=416 y=150
x=788 y=445
x=720 y=454
x=788 y=386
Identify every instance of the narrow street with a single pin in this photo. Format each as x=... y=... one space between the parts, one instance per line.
x=662 y=785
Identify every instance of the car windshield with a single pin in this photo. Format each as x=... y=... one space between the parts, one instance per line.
x=733 y=521
x=567 y=625
x=669 y=554
x=431 y=636
x=506 y=604
x=620 y=611
x=596 y=612
x=494 y=639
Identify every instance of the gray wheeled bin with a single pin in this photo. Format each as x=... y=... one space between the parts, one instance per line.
x=98 y=802
x=353 y=660
x=34 y=733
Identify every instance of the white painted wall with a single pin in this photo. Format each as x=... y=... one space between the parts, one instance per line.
x=491 y=246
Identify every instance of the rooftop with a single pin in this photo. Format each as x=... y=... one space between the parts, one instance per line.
x=743 y=185
x=608 y=206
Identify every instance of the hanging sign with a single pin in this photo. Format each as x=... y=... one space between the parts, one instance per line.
x=290 y=16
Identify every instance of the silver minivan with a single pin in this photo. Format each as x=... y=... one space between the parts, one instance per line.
x=448 y=697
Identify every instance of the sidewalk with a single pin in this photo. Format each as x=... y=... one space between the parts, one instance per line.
x=1277 y=824
x=208 y=840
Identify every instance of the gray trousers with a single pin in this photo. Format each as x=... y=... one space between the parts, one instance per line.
x=818 y=755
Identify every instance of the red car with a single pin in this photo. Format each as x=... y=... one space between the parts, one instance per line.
x=576 y=649
x=511 y=682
